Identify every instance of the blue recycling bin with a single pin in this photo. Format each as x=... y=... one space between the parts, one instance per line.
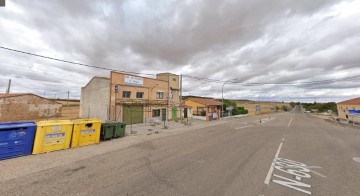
x=16 y=139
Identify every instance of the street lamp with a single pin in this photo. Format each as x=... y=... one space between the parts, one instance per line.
x=222 y=97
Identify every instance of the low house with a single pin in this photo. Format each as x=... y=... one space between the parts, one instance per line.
x=27 y=106
x=204 y=108
x=349 y=110
x=186 y=111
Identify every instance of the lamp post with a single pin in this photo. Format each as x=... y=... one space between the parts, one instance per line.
x=222 y=98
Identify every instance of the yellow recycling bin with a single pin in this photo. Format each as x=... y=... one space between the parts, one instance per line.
x=86 y=132
x=52 y=135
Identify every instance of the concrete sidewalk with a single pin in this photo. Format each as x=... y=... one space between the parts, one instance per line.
x=22 y=166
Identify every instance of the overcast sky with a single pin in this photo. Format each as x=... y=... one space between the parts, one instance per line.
x=257 y=41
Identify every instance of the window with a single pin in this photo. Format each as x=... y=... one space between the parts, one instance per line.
x=156 y=113
x=139 y=95
x=159 y=95
x=126 y=94
x=174 y=79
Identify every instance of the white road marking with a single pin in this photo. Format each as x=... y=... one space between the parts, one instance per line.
x=317 y=173
x=357 y=159
x=271 y=170
x=244 y=127
x=290 y=121
x=308 y=167
x=293 y=184
x=297 y=169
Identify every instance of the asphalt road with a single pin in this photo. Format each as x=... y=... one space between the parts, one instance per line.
x=289 y=154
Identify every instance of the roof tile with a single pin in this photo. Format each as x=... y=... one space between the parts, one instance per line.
x=206 y=101
x=355 y=101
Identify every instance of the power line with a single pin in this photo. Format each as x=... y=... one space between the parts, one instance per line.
x=266 y=83
x=71 y=62
x=188 y=76
x=26 y=88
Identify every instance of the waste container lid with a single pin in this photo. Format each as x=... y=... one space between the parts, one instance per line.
x=54 y=122
x=7 y=125
x=89 y=120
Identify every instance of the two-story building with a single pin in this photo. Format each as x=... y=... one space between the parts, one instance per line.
x=132 y=99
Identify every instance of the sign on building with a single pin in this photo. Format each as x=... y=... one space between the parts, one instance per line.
x=134 y=81
x=354 y=112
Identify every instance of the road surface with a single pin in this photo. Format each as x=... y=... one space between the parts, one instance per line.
x=289 y=154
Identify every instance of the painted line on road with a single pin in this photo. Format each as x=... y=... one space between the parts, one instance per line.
x=317 y=173
x=290 y=122
x=271 y=170
x=356 y=159
x=244 y=127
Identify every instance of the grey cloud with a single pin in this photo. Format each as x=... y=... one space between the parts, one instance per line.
x=253 y=41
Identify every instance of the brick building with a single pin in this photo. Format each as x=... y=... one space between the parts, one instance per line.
x=27 y=106
x=132 y=99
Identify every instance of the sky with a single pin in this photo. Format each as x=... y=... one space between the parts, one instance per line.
x=241 y=41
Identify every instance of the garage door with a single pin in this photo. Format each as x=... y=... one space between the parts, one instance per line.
x=133 y=114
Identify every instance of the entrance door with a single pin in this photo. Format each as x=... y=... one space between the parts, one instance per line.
x=174 y=113
x=133 y=114
x=185 y=112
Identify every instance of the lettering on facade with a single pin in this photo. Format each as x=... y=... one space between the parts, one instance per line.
x=133 y=80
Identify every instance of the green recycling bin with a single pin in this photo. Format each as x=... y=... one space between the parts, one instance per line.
x=119 y=129
x=107 y=131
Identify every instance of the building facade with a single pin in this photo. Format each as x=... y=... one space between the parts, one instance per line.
x=94 y=101
x=204 y=108
x=349 y=110
x=27 y=106
x=135 y=99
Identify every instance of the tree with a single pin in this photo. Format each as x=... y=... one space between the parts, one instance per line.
x=236 y=110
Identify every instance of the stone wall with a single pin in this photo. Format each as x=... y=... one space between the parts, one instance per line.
x=28 y=107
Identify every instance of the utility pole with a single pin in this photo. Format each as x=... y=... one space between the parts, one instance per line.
x=8 y=88
x=181 y=112
x=222 y=98
x=67 y=104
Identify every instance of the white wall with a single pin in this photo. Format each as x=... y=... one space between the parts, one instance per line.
x=95 y=97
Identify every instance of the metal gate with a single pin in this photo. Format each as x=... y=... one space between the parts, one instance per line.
x=133 y=114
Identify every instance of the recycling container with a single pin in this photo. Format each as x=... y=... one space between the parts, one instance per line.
x=107 y=131
x=119 y=130
x=86 y=132
x=16 y=139
x=52 y=135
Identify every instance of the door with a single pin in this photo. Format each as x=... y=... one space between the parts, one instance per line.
x=174 y=113
x=185 y=112
x=133 y=114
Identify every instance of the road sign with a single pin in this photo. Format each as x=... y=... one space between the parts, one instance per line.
x=117 y=88
x=230 y=108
